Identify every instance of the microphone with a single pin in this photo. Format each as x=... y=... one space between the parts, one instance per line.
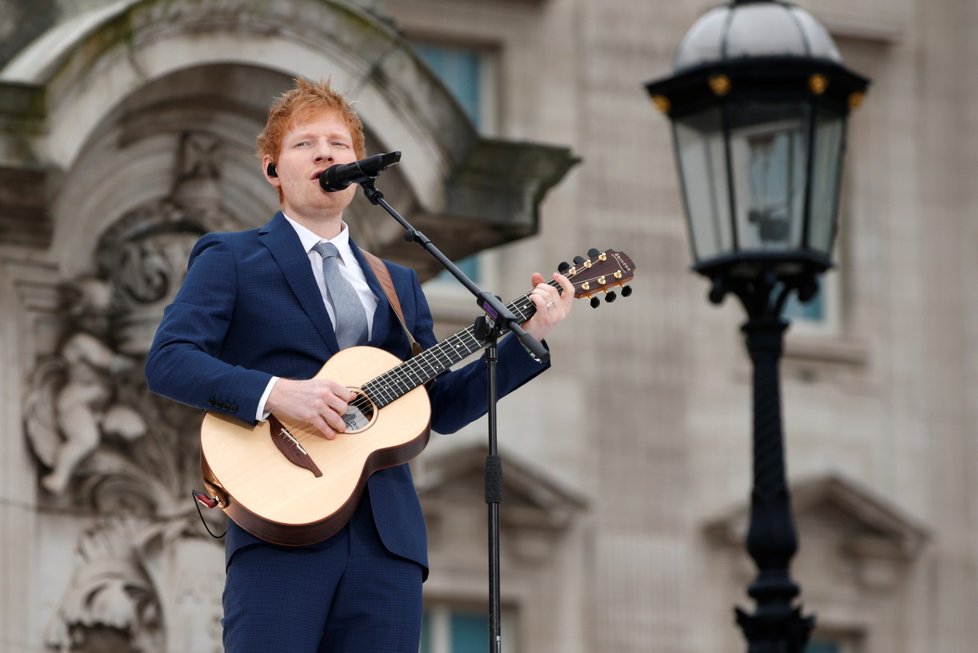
x=340 y=176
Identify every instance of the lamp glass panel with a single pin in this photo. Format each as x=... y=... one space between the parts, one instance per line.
x=826 y=173
x=702 y=164
x=768 y=158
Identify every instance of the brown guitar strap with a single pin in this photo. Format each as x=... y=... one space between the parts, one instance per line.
x=384 y=276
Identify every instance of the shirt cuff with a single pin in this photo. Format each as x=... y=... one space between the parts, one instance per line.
x=261 y=414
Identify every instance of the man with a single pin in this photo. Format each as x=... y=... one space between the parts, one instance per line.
x=250 y=327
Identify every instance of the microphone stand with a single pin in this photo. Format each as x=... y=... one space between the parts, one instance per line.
x=488 y=328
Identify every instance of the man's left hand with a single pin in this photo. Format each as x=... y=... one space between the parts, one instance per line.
x=552 y=306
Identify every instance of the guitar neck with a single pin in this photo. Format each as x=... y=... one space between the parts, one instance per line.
x=424 y=367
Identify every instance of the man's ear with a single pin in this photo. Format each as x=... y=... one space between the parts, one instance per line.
x=270 y=171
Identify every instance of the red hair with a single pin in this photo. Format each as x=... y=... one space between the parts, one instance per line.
x=300 y=103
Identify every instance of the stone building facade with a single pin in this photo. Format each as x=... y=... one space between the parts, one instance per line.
x=127 y=130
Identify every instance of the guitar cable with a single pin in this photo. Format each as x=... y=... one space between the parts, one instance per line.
x=210 y=502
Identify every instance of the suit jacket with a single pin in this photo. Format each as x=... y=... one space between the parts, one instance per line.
x=250 y=309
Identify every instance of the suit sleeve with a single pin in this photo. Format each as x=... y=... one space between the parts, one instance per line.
x=459 y=397
x=183 y=362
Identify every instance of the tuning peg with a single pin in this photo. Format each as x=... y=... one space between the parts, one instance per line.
x=563 y=267
x=579 y=260
x=610 y=296
x=593 y=253
x=595 y=302
x=626 y=291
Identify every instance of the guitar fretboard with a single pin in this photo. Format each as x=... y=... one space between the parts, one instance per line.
x=420 y=369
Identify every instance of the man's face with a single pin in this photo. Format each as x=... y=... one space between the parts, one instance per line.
x=313 y=144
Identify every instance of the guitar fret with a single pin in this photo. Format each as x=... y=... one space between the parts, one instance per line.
x=518 y=311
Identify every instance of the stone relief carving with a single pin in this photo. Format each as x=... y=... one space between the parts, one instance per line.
x=106 y=445
x=111 y=603
x=77 y=382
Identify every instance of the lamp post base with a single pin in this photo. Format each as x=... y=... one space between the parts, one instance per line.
x=787 y=632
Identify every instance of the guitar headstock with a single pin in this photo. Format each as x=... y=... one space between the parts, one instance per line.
x=601 y=272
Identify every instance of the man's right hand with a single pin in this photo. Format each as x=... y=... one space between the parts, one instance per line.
x=320 y=403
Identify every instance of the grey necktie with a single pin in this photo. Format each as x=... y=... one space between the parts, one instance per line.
x=351 y=318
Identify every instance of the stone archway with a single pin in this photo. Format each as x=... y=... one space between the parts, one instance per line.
x=63 y=86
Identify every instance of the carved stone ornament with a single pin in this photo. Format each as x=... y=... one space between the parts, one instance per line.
x=111 y=603
x=105 y=444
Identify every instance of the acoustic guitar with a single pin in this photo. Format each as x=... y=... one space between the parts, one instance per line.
x=288 y=485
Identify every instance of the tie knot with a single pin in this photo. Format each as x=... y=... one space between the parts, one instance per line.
x=326 y=250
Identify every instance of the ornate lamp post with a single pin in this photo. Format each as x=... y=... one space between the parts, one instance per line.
x=758 y=103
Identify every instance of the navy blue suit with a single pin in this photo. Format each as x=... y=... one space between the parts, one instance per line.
x=250 y=309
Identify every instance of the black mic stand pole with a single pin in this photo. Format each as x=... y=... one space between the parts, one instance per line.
x=488 y=328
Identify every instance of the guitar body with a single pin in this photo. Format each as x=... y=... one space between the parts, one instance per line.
x=280 y=501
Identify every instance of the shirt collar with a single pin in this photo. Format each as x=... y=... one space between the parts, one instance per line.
x=309 y=239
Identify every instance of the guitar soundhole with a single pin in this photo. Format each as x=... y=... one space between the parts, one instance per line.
x=360 y=413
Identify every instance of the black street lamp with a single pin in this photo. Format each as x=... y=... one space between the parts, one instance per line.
x=758 y=102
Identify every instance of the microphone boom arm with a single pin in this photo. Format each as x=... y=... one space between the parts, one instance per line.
x=502 y=318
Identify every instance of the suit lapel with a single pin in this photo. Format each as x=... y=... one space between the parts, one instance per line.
x=283 y=243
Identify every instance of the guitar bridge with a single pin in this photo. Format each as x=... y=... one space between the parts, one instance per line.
x=289 y=446
x=295 y=443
